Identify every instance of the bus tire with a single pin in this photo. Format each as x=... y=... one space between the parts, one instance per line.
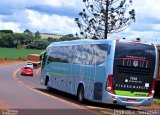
x=48 y=88
x=80 y=94
x=46 y=84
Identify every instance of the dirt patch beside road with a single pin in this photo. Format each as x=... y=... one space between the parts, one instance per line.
x=2 y=62
x=152 y=107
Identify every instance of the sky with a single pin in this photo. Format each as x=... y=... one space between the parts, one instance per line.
x=57 y=17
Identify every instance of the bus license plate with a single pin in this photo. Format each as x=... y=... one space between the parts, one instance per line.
x=131 y=100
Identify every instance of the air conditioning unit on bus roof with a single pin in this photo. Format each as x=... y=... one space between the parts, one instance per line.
x=137 y=40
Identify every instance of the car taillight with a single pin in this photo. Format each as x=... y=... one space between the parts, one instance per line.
x=152 y=89
x=109 y=85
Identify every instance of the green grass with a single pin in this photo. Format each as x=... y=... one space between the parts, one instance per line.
x=11 y=53
x=156 y=101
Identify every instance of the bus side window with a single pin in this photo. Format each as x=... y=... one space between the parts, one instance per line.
x=100 y=53
x=77 y=54
x=87 y=54
x=83 y=54
x=70 y=54
x=43 y=58
x=63 y=54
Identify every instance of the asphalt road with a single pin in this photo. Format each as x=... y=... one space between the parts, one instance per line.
x=23 y=95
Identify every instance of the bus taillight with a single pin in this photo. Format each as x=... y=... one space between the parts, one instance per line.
x=109 y=85
x=152 y=89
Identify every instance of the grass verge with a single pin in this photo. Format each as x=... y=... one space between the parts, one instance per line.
x=156 y=101
x=13 y=53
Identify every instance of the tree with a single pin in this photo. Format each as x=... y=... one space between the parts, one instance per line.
x=105 y=17
x=37 y=35
x=27 y=31
x=68 y=37
x=14 y=40
x=50 y=39
x=24 y=39
x=38 y=44
x=7 y=40
x=6 y=31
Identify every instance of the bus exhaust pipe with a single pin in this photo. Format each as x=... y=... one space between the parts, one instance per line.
x=114 y=102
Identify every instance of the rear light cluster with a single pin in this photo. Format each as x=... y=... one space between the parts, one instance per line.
x=109 y=84
x=152 y=89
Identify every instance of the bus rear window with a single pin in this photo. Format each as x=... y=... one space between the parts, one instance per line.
x=135 y=50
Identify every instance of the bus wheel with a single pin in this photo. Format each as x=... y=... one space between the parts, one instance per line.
x=48 y=88
x=46 y=83
x=80 y=94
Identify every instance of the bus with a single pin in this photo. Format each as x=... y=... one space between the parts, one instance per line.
x=107 y=71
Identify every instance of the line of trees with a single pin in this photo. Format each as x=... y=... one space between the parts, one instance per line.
x=9 y=39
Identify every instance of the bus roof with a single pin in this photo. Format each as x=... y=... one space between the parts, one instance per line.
x=79 y=42
x=91 y=41
x=134 y=41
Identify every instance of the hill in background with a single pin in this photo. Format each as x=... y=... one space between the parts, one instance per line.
x=48 y=35
x=42 y=35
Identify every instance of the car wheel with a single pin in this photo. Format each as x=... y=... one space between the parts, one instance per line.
x=80 y=94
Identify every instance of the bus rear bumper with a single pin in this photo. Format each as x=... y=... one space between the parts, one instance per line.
x=128 y=101
x=132 y=101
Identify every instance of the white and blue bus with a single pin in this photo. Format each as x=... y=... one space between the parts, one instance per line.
x=105 y=71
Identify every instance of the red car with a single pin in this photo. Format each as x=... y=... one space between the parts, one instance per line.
x=27 y=71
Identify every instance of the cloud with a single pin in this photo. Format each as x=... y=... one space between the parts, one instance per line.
x=48 y=16
x=48 y=9
x=36 y=21
x=17 y=16
x=150 y=36
x=10 y=25
x=57 y=16
x=4 y=11
x=15 y=5
x=63 y=3
x=51 y=23
x=147 y=25
x=146 y=14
